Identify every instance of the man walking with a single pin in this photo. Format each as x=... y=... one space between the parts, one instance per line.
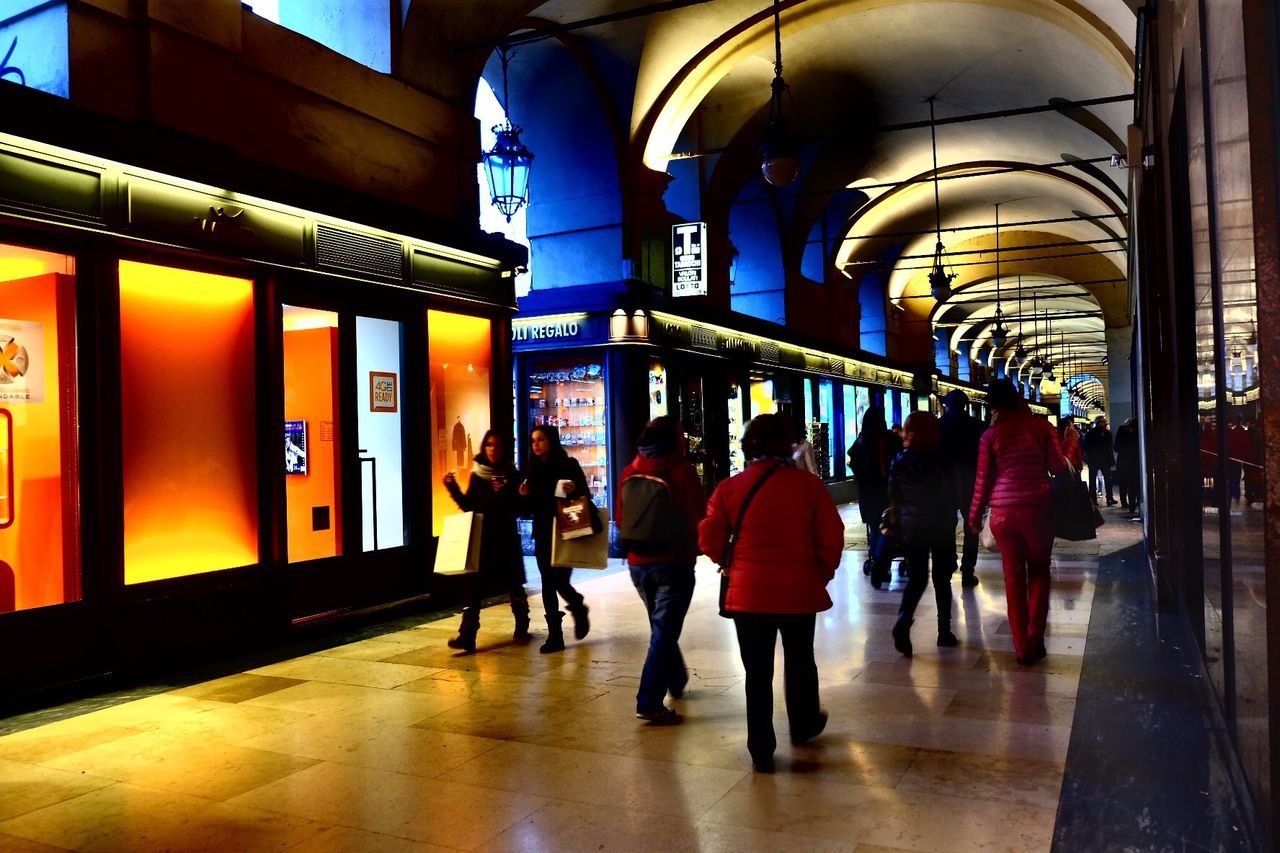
x=1099 y=455
x=961 y=434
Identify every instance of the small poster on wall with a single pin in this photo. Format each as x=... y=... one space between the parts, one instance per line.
x=21 y=362
x=383 y=392
x=295 y=447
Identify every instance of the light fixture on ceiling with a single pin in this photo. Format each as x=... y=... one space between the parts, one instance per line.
x=999 y=332
x=939 y=279
x=780 y=161
x=1020 y=354
x=507 y=164
x=1036 y=365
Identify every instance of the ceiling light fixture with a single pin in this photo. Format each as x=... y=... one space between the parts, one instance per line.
x=939 y=279
x=1020 y=354
x=1000 y=332
x=780 y=163
x=507 y=164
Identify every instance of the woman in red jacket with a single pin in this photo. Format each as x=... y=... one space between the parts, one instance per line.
x=784 y=556
x=1015 y=458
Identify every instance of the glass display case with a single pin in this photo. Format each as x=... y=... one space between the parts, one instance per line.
x=569 y=394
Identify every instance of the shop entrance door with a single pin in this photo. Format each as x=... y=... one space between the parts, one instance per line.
x=343 y=490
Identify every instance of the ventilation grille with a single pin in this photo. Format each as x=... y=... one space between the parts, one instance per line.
x=837 y=367
x=769 y=352
x=704 y=338
x=347 y=250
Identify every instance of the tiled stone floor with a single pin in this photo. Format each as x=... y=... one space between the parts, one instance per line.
x=399 y=744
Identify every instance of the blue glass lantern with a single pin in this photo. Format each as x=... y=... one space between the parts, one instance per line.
x=506 y=166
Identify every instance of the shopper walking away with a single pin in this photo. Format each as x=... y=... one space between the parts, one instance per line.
x=660 y=502
x=869 y=458
x=802 y=453
x=1126 y=475
x=961 y=433
x=785 y=553
x=1013 y=458
x=922 y=491
x=547 y=467
x=1071 y=449
x=1100 y=457
x=492 y=490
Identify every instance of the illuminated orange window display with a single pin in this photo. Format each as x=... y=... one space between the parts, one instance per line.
x=39 y=551
x=312 y=485
x=187 y=410
x=461 y=353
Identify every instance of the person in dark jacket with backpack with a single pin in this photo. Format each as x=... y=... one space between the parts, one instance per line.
x=660 y=502
x=492 y=491
x=547 y=466
x=869 y=458
x=922 y=490
x=961 y=433
x=783 y=556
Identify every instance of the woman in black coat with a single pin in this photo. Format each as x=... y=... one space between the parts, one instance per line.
x=493 y=491
x=869 y=457
x=1126 y=448
x=922 y=490
x=548 y=465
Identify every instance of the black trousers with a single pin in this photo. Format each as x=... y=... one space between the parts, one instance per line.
x=757 y=637
x=922 y=546
x=555 y=581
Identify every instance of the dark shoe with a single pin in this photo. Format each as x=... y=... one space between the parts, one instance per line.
x=581 y=624
x=867 y=565
x=1110 y=502
x=467 y=630
x=902 y=635
x=521 y=633
x=555 y=635
x=763 y=764
x=946 y=639
x=819 y=723
x=463 y=642
x=664 y=716
x=969 y=581
x=677 y=690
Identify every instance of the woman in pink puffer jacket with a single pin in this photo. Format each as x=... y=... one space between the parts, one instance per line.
x=1015 y=458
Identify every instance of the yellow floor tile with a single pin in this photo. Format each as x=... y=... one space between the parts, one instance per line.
x=25 y=787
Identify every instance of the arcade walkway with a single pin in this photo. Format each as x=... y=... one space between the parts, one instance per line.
x=395 y=743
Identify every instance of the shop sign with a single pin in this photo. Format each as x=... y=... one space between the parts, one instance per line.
x=21 y=362
x=689 y=259
x=735 y=345
x=383 y=392
x=672 y=333
x=546 y=330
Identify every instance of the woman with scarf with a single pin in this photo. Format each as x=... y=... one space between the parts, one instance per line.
x=1017 y=455
x=547 y=466
x=492 y=492
x=869 y=457
x=922 y=489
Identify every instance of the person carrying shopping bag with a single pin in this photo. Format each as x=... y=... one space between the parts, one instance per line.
x=552 y=475
x=660 y=502
x=922 y=490
x=786 y=542
x=869 y=459
x=492 y=491
x=1016 y=456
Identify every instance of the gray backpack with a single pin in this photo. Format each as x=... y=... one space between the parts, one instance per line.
x=650 y=523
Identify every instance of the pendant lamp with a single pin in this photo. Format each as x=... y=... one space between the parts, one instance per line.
x=507 y=164
x=939 y=279
x=780 y=155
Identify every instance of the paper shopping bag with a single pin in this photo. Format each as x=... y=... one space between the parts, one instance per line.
x=584 y=552
x=458 y=552
x=573 y=518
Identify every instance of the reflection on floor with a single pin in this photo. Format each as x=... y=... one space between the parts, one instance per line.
x=396 y=743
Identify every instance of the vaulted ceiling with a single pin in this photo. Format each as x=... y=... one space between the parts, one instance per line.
x=858 y=70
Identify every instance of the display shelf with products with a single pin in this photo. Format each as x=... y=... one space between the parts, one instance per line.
x=569 y=394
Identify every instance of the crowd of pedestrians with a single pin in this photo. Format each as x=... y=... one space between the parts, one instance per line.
x=777 y=536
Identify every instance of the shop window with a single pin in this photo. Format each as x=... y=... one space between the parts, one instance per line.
x=854 y=408
x=461 y=355
x=358 y=29
x=570 y=394
x=737 y=426
x=313 y=490
x=820 y=433
x=380 y=430
x=39 y=539
x=188 y=422
x=657 y=389
x=34 y=45
x=762 y=400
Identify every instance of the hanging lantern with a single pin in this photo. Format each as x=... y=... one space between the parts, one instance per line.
x=999 y=332
x=507 y=164
x=780 y=155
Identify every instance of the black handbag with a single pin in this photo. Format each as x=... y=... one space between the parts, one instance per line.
x=1075 y=517
x=726 y=558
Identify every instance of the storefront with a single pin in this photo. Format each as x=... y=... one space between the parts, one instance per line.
x=599 y=374
x=158 y=340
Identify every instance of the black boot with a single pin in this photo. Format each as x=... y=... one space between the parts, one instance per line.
x=581 y=624
x=555 y=636
x=902 y=634
x=466 y=639
x=520 y=610
x=946 y=639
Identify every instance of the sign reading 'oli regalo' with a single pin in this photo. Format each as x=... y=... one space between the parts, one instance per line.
x=689 y=259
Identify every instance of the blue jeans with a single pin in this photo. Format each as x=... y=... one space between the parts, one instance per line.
x=666 y=590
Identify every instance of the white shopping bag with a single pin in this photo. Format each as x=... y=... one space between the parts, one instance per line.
x=585 y=552
x=458 y=551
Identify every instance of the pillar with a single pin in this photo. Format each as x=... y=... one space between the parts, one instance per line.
x=1119 y=374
